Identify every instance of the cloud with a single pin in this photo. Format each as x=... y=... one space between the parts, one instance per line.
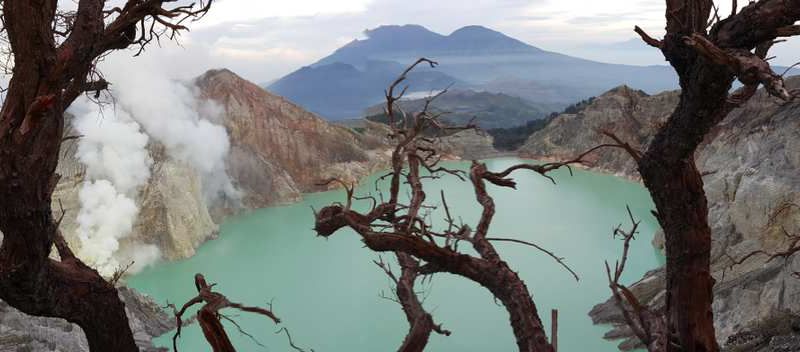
x=285 y=54
x=226 y=11
x=288 y=40
x=265 y=40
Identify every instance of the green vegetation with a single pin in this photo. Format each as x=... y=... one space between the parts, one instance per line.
x=514 y=137
x=460 y=107
x=579 y=106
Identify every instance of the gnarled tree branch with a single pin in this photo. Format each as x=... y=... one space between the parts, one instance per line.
x=209 y=316
x=400 y=228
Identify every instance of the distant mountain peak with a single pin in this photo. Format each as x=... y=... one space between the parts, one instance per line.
x=214 y=72
x=393 y=29
x=624 y=90
x=413 y=40
x=472 y=29
x=475 y=37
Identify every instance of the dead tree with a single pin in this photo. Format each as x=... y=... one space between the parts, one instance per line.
x=708 y=53
x=210 y=318
x=391 y=226
x=54 y=59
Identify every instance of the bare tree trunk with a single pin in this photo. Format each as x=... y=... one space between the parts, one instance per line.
x=509 y=289
x=47 y=76
x=708 y=53
x=214 y=332
x=676 y=186
x=689 y=282
x=209 y=316
x=31 y=282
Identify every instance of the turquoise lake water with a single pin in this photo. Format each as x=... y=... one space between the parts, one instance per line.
x=327 y=292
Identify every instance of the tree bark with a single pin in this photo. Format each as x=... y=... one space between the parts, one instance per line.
x=209 y=316
x=214 y=332
x=32 y=127
x=707 y=62
x=669 y=172
x=420 y=321
x=496 y=276
x=46 y=79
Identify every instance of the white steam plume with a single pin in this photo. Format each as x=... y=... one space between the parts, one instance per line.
x=171 y=113
x=148 y=106
x=117 y=164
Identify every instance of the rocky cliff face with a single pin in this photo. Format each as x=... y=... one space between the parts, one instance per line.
x=751 y=164
x=631 y=114
x=278 y=151
x=281 y=150
x=468 y=145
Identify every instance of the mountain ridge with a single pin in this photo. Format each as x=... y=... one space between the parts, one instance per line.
x=353 y=77
x=392 y=39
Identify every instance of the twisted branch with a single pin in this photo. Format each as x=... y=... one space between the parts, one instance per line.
x=209 y=315
x=648 y=326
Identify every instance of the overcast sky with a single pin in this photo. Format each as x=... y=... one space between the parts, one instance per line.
x=263 y=40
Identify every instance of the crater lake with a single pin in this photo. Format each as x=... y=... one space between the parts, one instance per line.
x=330 y=295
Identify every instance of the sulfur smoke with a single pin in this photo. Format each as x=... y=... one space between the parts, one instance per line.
x=148 y=107
x=117 y=164
x=171 y=113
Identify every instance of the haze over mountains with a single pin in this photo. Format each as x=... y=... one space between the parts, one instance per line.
x=460 y=107
x=343 y=84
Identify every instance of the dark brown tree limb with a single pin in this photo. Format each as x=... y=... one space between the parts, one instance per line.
x=647 y=38
x=420 y=322
x=749 y=68
x=788 y=31
x=209 y=316
x=756 y=23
